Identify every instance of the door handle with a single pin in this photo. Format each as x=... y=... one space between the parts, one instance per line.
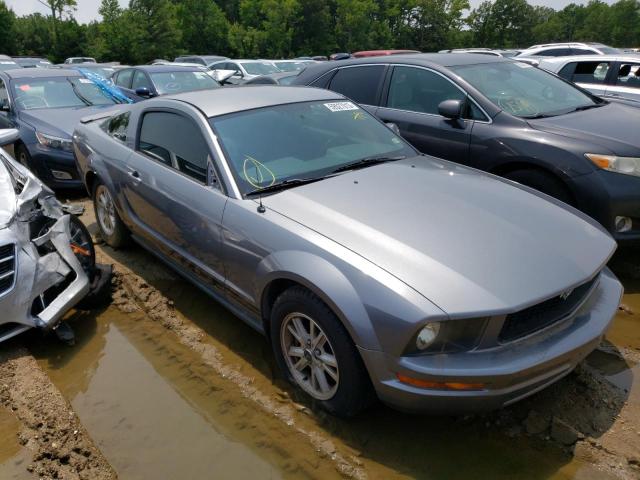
x=134 y=174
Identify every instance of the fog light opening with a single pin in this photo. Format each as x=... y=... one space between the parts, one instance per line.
x=58 y=175
x=623 y=224
x=416 y=382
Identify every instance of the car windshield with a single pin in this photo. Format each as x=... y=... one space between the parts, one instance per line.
x=607 y=50
x=178 y=82
x=523 y=90
x=290 y=66
x=306 y=140
x=58 y=92
x=259 y=68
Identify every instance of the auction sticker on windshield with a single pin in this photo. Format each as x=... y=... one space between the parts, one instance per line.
x=341 y=106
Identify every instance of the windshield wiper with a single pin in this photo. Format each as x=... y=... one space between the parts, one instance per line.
x=78 y=94
x=587 y=107
x=367 y=162
x=538 y=115
x=276 y=187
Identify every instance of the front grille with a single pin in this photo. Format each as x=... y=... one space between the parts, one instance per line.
x=542 y=315
x=7 y=267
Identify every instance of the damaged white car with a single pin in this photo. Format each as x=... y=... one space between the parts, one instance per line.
x=47 y=258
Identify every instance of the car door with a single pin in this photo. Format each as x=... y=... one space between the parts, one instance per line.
x=411 y=102
x=361 y=83
x=6 y=120
x=173 y=195
x=625 y=81
x=591 y=75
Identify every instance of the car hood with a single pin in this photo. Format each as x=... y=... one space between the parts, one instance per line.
x=59 y=121
x=613 y=126
x=469 y=242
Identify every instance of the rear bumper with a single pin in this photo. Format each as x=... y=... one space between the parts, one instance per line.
x=35 y=274
x=509 y=373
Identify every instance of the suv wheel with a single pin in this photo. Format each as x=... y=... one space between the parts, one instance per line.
x=317 y=354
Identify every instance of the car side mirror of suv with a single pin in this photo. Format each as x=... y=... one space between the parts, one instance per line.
x=4 y=105
x=451 y=109
x=143 y=92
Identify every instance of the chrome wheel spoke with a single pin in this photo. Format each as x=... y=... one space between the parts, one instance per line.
x=321 y=379
x=296 y=352
x=301 y=364
x=329 y=360
x=329 y=371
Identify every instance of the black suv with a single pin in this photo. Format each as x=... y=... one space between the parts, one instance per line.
x=508 y=118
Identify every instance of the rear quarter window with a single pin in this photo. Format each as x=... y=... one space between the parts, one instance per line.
x=360 y=84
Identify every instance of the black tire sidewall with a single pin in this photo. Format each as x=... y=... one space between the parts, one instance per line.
x=543 y=182
x=353 y=393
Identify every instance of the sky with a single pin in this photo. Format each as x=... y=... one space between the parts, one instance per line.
x=88 y=9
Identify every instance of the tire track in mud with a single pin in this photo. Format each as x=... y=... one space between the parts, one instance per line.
x=131 y=293
x=50 y=429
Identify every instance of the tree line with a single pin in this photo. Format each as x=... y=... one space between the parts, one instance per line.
x=150 y=29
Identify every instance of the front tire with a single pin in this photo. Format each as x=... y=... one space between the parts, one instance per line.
x=316 y=353
x=23 y=156
x=112 y=230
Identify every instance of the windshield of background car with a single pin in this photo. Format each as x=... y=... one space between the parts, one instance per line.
x=258 y=68
x=524 y=90
x=290 y=66
x=58 y=92
x=178 y=82
x=608 y=50
x=302 y=140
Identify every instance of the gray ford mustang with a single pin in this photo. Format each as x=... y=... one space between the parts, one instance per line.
x=372 y=269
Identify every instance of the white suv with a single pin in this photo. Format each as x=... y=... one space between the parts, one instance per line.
x=567 y=49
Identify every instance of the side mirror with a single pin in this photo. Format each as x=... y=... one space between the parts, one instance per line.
x=393 y=127
x=451 y=109
x=143 y=92
x=8 y=136
x=4 y=105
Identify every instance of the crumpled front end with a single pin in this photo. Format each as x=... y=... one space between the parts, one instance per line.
x=40 y=277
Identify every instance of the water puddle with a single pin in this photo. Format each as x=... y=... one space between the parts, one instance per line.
x=156 y=412
x=13 y=457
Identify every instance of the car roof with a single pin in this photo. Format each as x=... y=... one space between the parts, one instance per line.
x=221 y=101
x=167 y=68
x=589 y=58
x=41 y=73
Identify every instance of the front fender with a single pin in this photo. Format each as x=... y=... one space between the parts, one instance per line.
x=379 y=311
x=327 y=282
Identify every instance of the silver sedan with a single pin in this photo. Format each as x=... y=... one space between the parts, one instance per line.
x=374 y=271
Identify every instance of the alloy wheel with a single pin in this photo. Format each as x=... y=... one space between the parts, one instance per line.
x=309 y=356
x=105 y=210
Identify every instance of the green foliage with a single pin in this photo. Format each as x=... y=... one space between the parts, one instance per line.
x=150 y=29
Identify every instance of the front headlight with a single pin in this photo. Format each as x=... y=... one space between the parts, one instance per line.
x=54 y=142
x=613 y=163
x=447 y=337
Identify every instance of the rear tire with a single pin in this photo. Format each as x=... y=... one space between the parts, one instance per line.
x=345 y=388
x=112 y=230
x=543 y=182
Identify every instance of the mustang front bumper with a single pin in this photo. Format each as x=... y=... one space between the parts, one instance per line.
x=28 y=275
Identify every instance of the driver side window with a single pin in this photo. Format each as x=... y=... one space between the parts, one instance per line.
x=422 y=91
x=140 y=80
x=162 y=137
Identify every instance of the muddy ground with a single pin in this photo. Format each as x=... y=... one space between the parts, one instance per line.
x=166 y=383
